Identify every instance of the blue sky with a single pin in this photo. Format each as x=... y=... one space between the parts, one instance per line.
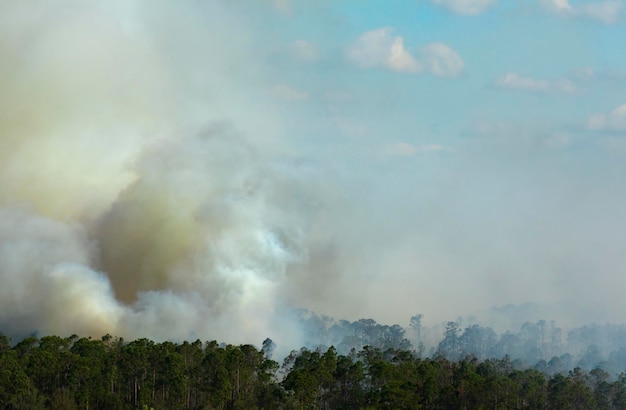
x=491 y=133
x=520 y=62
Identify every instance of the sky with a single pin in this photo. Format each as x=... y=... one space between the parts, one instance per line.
x=228 y=161
x=481 y=142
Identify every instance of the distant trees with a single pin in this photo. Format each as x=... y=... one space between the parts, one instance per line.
x=541 y=345
x=345 y=335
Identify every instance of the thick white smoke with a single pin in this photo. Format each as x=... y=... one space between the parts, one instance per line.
x=113 y=219
x=207 y=232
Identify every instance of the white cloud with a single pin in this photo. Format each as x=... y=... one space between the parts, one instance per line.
x=372 y=48
x=287 y=93
x=514 y=81
x=557 y=6
x=304 y=51
x=441 y=60
x=612 y=121
x=401 y=60
x=605 y=11
x=467 y=7
x=381 y=49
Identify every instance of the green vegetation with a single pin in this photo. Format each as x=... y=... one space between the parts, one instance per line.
x=83 y=373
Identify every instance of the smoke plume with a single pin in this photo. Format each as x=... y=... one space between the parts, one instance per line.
x=119 y=213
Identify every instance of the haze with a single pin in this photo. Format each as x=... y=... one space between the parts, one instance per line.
x=182 y=170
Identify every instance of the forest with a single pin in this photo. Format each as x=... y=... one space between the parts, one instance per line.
x=373 y=366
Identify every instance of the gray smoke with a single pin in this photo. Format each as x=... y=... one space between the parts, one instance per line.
x=119 y=213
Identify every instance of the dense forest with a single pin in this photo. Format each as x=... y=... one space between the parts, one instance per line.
x=110 y=373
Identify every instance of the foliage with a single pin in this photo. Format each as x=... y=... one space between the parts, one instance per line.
x=82 y=373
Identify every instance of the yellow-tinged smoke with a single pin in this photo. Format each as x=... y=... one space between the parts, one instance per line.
x=79 y=96
x=111 y=221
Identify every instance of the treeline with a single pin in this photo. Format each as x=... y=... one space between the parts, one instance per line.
x=541 y=345
x=83 y=373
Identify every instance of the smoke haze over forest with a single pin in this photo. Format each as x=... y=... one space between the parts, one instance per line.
x=198 y=170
